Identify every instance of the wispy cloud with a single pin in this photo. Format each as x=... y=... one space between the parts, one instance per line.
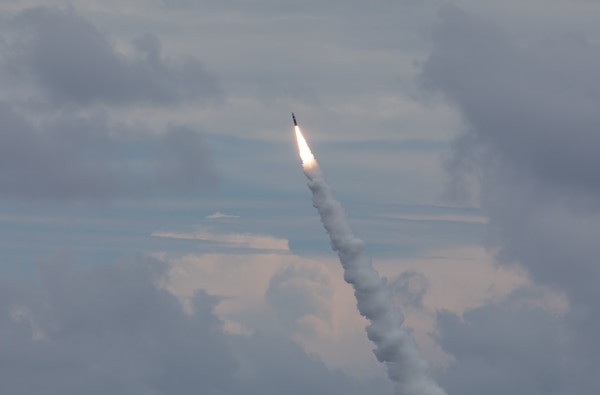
x=231 y=240
x=219 y=215
x=471 y=219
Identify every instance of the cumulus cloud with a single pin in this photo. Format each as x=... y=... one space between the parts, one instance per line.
x=300 y=292
x=285 y=295
x=531 y=132
x=113 y=328
x=73 y=62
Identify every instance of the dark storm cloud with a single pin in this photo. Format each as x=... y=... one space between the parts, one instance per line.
x=531 y=138
x=73 y=62
x=110 y=329
x=89 y=158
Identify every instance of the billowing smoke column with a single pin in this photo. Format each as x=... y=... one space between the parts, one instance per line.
x=394 y=346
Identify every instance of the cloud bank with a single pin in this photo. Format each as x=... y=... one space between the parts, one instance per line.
x=80 y=158
x=61 y=137
x=73 y=62
x=530 y=139
x=113 y=328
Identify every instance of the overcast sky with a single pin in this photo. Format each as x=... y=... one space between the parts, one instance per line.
x=157 y=235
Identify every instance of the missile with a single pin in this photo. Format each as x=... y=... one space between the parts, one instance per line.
x=294 y=119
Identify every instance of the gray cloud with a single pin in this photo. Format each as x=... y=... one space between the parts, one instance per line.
x=298 y=291
x=534 y=105
x=90 y=158
x=110 y=328
x=73 y=62
x=532 y=124
x=409 y=289
x=107 y=328
x=55 y=143
x=530 y=133
x=499 y=349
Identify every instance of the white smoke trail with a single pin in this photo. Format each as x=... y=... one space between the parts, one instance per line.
x=394 y=346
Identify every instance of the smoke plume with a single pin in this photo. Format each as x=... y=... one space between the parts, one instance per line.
x=394 y=346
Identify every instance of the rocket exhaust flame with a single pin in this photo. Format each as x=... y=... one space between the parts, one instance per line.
x=306 y=155
x=393 y=345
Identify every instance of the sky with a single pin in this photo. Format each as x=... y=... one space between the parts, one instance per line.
x=157 y=235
